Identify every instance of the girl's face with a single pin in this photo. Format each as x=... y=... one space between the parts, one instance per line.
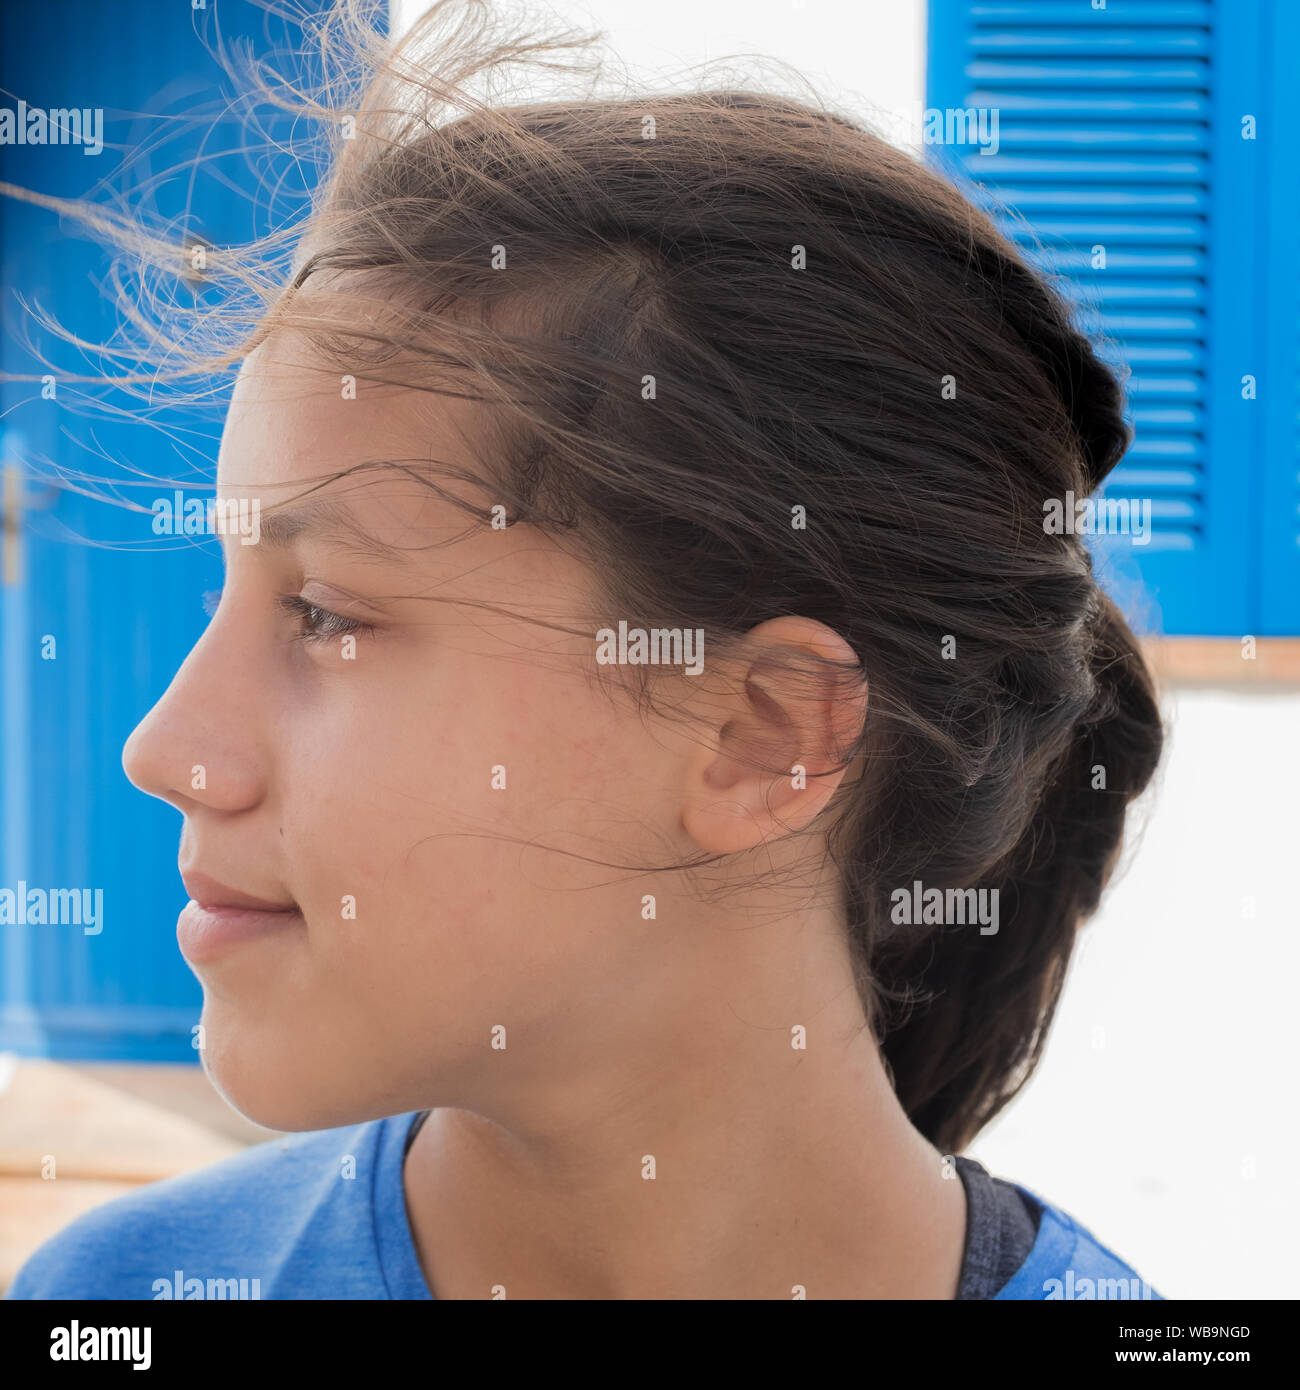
x=408 y=790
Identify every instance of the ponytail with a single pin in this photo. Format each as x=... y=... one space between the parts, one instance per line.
x=967 y=1047
x=973 y=1011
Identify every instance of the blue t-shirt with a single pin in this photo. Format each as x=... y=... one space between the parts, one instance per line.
x=323 y=1215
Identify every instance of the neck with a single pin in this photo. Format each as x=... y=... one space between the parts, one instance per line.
x=721 y=1162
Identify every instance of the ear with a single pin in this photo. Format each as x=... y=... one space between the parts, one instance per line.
x=776 y=738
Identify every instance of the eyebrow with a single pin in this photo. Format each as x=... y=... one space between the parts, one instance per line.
x=284 y=525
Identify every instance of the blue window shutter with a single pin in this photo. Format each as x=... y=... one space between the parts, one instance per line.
x=1279 y=274
x=1121 y=128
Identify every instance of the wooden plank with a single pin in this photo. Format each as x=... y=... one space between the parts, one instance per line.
x=52 y=1115
x=181 y=1089
x=1268 y=661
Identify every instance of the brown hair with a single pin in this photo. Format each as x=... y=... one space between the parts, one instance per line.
x=550 y=258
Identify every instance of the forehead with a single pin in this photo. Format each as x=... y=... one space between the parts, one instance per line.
x=302 y=433
x=380 y=470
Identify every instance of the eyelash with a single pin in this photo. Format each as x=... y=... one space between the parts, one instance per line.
x=322 y=624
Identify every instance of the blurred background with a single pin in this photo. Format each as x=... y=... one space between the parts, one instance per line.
x=1139 y=150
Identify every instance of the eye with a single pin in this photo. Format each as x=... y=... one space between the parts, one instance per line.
x=318 y=624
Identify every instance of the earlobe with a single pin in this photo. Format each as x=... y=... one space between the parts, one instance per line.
x=774 y=753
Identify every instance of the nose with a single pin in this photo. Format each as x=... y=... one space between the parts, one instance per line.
x=200 y=746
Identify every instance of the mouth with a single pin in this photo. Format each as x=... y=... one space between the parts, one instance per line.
x=218 y=918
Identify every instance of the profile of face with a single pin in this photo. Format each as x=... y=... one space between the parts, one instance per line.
x=405 y=741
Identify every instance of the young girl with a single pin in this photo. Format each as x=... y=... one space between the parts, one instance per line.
x=641 y=788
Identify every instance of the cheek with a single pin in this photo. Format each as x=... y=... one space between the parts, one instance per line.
x=582 y=776
x=441 y=820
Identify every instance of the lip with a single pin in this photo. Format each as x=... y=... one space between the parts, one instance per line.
x=208 y=892
x=217 y=918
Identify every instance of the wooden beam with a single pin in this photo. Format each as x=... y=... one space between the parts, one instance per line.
x=1268 y=661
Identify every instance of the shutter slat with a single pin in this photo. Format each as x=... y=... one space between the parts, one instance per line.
x=1100 y=107
x=1158 y=293
x=1128 y=231
x=1190 y=198
x=1051 y=134
x=1086 y=77
x=1071 y=168
x=1040 y=12
x=1149 y=264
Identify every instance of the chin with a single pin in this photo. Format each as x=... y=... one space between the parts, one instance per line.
x=269 y=1087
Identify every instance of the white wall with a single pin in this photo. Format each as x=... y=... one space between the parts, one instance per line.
x=1163 y=1114
x=864 y=56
